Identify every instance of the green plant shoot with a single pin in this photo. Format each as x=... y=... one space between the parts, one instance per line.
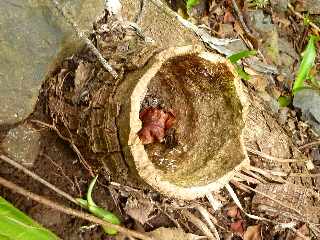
x=234 y=58
x=101 y=213
x=243 y=54
x=307 y=63
x=191 y=3
x=15 y=225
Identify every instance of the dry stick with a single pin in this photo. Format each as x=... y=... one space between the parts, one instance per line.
x=198 y=223
x=311 y=144
x=81 y=35
x=241 y=20
x=37 y=178
x=279 y=202
x=70 y=211
x=70 y=141
x=275 y=159
x=300 y=16
x=206 y=215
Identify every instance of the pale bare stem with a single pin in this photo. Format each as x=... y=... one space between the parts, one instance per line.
x=81 y=35
x=311 y=144
x=198 y=223
x=275 y=159
x=283 y=225
x=70 y=211
x=38 y=178
x=206 y=215
x=216 y=204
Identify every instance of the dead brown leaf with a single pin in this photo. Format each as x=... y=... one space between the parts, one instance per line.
x=234 y=212
x=304 y=230
x=253 y=233
x=238 y=227
x=172 y=234
x=139 y=209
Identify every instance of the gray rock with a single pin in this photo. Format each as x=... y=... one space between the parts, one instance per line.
x=33 y=37
x=260 y=21
x=22 y=144
x=310 y=6
x=279 y=5
x=308 y=101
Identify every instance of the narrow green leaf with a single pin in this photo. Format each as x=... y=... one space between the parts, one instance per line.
x=243 y=54
x=191 y=3
x=242 y=74
x=309 y=56
x=16 y=225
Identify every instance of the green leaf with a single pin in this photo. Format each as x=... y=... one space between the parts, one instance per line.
x=243 y=54
x=16 y=225
x=242 y=74
x=101 y=213
x=284 y=101
x=191 y=3
x=309 y=56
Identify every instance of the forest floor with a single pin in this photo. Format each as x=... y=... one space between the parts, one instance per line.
x=280 y=31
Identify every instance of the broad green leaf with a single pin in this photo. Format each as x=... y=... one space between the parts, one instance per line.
x=16 y=225
x=309 y=56
x=191 y=4
x=101 y=213
x=243 y=54
x=284 y=101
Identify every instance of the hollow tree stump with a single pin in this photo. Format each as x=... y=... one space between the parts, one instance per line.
x=101 y=114
x=201 y=90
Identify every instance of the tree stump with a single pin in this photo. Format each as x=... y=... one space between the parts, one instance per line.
x=196 y=155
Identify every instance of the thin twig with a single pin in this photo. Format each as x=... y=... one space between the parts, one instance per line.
x=70 y=211
x=61 y=170
x=38 y=178
x=70 y=141
x=198 y=223
x=311 y=144
x=301 y=17
x=241 y=20
x=275 y=159
x=278 y=202
x=206 y=215
x=82 y=35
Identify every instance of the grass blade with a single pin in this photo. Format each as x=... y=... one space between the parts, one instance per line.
x=243 y=54
x=309 y=56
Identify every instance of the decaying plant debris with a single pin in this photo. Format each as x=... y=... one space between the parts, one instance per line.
x=96 y=113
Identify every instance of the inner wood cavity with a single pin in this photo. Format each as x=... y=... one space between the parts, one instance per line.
x=204 y=143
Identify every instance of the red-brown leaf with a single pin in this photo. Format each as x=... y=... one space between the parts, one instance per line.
x=155 y=122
